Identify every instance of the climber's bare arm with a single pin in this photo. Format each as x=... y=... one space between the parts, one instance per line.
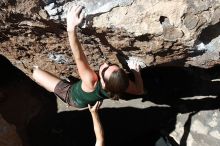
x=88 y=76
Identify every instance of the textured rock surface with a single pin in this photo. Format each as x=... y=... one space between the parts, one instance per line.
x=203 y=128
x=160 y=32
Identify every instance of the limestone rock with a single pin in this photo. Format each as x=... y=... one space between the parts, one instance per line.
x=160 y=32
x=133 y=27
x=191 y=21
x=204 y=129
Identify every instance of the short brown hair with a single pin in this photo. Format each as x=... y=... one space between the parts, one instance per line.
x=117 y=83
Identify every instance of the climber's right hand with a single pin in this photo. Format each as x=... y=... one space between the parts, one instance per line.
x=74 y=17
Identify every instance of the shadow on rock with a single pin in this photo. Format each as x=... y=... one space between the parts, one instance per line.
x=22 y=102
x=33 y=110
x=122 y=126
x=34 y=113
x=172 y=85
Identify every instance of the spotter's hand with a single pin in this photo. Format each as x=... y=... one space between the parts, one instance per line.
x=95 y=108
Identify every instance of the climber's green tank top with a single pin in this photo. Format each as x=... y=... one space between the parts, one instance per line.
x=82 y=98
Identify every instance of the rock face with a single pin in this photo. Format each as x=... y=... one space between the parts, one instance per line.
x=203 y=127
x=159 y=32
x=25 y=107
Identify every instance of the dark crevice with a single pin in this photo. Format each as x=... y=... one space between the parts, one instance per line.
x=195 y=53
x=12 y=2
x=22 y=48
x=15 y=18
x=3 y=37
x=130 y=49
x=162 y=19
x=187 y=126
x=165 y=52
x=209 y=33
x=142 y=38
